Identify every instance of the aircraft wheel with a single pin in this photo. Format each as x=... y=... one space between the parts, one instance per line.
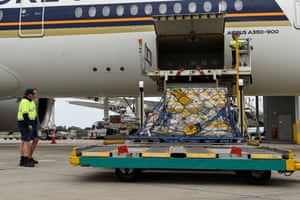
x=258 y=177
x=126 y=174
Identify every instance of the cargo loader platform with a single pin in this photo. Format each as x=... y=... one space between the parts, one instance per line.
x=181 y=77
x=254 y=163
x=191 y=52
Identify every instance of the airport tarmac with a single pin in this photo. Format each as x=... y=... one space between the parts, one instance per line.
x=55 y=178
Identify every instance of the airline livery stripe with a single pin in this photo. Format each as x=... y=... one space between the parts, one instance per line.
x=78 y=21
x=136 y=19
x=99 y=20
x=270 y=14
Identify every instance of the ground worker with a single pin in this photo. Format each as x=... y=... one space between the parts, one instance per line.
x=34 y=133
x=235 y=39
x=27 y=122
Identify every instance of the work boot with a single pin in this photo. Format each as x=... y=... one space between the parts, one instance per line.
x=25 y=162
x=33 y=161
x=22 y=161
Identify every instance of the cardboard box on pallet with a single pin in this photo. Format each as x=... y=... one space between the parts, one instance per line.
x=192 y=112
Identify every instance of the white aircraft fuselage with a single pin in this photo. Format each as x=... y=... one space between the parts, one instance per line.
x=77 y=48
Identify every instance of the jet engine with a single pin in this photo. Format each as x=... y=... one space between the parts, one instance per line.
x=9 y=109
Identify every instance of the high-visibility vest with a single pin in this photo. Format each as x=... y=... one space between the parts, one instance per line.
x=233 y=43
x=29 y=107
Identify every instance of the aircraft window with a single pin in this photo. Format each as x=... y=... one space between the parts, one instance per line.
x=106 y=11
x=207 y=6
x=78 y=12
x=192 y=7
x=238 y=5
x=1 y=15
x=148 y=9
x=92 y=11
x=163 y=8
x=222 y=6
x=134 y=9
x=177 y=8
x=95 y=69
x=120 y=10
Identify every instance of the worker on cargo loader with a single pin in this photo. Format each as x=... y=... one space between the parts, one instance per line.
x=235 y=39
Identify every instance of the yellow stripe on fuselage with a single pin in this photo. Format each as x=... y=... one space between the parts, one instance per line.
x=82 y=21
x=257 y=24
x=262 y=14
x=124 y=29
x=82 y=31
x=129 y=19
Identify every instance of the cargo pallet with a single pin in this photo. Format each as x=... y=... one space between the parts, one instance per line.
x=187 y=139
x=253 y=162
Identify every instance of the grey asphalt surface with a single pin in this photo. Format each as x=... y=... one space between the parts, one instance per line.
x=55 y=178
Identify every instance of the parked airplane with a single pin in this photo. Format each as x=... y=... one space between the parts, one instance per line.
x=91 y=48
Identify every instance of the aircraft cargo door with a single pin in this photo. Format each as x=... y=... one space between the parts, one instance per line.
x=297 y=14
x=189 y=41
x=31 y=21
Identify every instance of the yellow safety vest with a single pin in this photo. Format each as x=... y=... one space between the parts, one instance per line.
x=29 y=107
x=233 y=43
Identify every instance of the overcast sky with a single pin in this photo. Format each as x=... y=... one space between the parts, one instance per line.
x=72 y=115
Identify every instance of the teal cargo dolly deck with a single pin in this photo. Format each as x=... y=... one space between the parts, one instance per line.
x=255 y=163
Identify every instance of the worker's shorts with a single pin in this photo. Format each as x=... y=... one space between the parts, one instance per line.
x=24 y=130
x=34 y=132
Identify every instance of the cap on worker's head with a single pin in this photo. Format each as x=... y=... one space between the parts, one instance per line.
x=29 y=91
x=235 y=33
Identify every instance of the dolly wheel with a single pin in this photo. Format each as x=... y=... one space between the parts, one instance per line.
x=126 y=174
x=258 y=177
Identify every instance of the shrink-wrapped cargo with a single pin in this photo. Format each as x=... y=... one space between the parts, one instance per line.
x=191 y=112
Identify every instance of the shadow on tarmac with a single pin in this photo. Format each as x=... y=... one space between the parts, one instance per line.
x=213 y=178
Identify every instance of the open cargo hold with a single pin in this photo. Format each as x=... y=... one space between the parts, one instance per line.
x=206 y=52
x=190 y=41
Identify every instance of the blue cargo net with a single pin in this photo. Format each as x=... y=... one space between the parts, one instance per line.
x=185 y=114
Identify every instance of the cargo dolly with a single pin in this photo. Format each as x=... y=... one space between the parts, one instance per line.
x=253 y=162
